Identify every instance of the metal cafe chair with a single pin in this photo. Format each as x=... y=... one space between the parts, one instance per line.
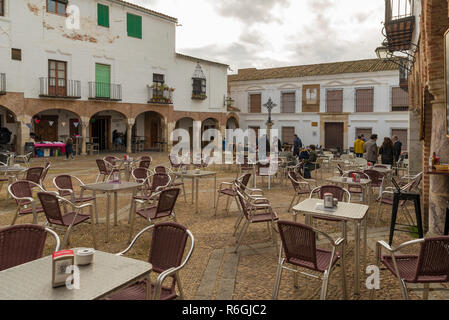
x=22 y=244
x=22 y=192
x=227 y=189
x=300 y=185
x=430 y=266
x=298 y=248
x=168 y=244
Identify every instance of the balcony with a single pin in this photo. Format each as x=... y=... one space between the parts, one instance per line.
x=159 y=93
x=399 y=24
x=2 y=83
x=105 y=91
x=59 y=88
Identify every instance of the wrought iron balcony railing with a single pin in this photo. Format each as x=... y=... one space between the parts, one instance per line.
x=160 y=94
x=2 y=83
x=399 y=24
x=105 y=91
x=59 y=88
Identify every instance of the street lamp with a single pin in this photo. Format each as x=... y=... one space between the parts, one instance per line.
x=383 y=53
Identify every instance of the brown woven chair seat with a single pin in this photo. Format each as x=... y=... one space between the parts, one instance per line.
x=150 y=213
x=68 y=218
x=228 y=192
x=138 y=291
x=264 y=217
x=323 y=258
x=407 y=265
x=30 y=211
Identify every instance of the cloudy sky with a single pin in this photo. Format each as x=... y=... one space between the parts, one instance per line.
x=274 y=33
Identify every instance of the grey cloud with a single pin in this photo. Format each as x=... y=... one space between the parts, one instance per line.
x=250 y=12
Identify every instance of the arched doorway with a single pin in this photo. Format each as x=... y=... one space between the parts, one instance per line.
x=149 y=126
x=186 y=124
x=55 y=125
x=232 y=123
x=210 y=123
x=8 y=130
x=108 y=129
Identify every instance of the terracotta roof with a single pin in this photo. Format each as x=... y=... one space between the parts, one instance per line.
x=369 y=65
x=158 y=14
x=199 y=59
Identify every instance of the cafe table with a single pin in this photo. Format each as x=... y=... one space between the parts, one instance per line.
x=191 y=174
x=349 y=212
x=115 y=188
x=107 y=274
x=346 y=181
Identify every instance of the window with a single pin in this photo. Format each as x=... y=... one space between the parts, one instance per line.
x=134 y=24
x=57 y=78
x=2 y=8
x=402 y=134
x=367 y=132
x=255 y=103
x=288 y=102
x=159 y=78
x=16 y=54
x=364 y=100
x=288 y=135
x=57 y=6
x=399 y=99
x=103 y=15
x=334 y=101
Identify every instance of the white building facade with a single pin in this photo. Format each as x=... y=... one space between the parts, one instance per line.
x=322 y=105
x=91 y=69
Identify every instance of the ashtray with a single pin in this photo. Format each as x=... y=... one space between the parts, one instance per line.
x=84 y=257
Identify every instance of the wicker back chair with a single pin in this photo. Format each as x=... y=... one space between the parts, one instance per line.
x=161 y=169
x=255 y=210
x=145 y=164
x=300 y=186
x=163 y=209
x=22 y=192
x=64 y=184
x=50 y=204
x=168 y=244
x=45 y=172
x=298 y=244
x=431 y=265
x=111 y=159
x=103 y=170
x=376 y=177
x=34 y=175
x=227 y=189
x=23 y=243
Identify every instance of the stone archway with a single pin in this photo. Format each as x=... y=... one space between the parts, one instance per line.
x=150 y=126
x=56 y=125
x=9 y=130
x=109 y=128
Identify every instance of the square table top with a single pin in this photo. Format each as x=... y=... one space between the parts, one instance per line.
x=12 y=169
x=347 y=180
x=192 y=174
x=107 y=273
x=112 y=186
x=344 y=210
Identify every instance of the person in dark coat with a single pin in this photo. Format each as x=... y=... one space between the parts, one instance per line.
x=397 y=148
x=297 y=145
x=387 y=151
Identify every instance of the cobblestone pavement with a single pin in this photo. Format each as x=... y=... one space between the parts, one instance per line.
x=214 y=271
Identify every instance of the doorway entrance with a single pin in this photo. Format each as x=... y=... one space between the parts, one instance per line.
x=46 y=128
x=334 y=135
x=100 y=127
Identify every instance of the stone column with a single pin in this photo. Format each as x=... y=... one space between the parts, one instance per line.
x=439 y=184
x=129 y=132
x=415 y=148
x=169 y=129
x=23 y=133
x=84 y=125
x=197 y=140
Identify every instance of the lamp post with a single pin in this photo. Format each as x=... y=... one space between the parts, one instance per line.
x=270 y=106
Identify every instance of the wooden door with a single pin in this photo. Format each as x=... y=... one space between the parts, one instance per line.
x=152 y=129
x=100 y=132
x=334 y=135
x=57 y=78
x=47 y=128
x=102 y=80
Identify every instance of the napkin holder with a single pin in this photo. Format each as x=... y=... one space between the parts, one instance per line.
x=61 y=260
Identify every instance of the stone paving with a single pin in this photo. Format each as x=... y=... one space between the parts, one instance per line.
x=214 y=271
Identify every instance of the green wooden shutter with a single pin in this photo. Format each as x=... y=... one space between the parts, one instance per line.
x=103 y=15
x=134 y=25
x=103 y=80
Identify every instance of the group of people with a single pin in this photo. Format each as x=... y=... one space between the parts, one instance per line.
x=390 y=150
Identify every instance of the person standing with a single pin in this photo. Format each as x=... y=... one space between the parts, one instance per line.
x=359 y=145
x=397 y=149
x=69 y=148
x=387 y=151
x=363 y=138
x=310 y=164
x=370 y=149
x=297 y=145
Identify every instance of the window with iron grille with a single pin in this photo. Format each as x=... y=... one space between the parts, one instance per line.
x=399 y=99
x=288 y=102
x=2 y=8
x=255 y=103
x=159 y=78
x=57 y=6
x=334 y=100
x=364 y=100
x=288 y=135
